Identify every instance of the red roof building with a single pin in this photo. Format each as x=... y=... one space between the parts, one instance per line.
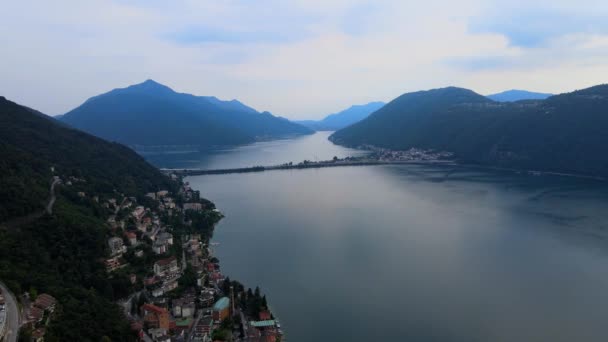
x=155 y=316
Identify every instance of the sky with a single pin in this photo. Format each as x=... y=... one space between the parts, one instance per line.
x=301 y=59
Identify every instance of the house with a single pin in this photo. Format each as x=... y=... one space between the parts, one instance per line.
x=155 y=316
x=157 y=291
x=151 y=195
x=166 y=266
x=170 y=285
x=112 y=264
x=35 y=315
x=45 y=302
x=165 y=237
x=138 y=213
x=265 y=315
x=159 y=247
x=132 y=237
x=185 y=306
x=221 y=309
x=116 y=245
x=162 y=193
x=206 y=298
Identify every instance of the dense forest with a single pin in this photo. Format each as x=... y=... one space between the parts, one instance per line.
x=61 y=254
x=564 y=133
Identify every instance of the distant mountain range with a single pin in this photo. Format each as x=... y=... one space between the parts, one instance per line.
x=563 y=133
x=151 y=114
x=347 y=117
x=518 y=95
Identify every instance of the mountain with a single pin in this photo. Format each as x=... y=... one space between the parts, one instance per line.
x=151 y=114
x=61 y=253
x=347 y=117
x=518 y=95
x=564 y=133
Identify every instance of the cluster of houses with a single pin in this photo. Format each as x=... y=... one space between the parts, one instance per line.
x=171 y=312
x=141 y=223
x=197 y=311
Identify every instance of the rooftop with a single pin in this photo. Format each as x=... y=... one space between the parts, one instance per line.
x=167 y=261
x=221 y=303
x=154 y=308
x=263 y=324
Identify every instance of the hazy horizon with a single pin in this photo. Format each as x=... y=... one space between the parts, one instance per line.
x=299 y=59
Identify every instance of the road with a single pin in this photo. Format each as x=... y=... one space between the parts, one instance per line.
x=13 y=318
x=49 y=206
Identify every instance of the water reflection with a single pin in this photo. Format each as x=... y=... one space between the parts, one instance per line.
x=416 y=252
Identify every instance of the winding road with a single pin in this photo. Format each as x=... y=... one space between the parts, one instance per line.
x=52 y=198
x=13 y=317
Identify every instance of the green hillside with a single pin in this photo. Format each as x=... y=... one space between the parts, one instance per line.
x=62 y=253
x=564 y=133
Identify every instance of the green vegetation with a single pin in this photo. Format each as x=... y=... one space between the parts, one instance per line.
x=32 y=143
x=564 y=133
x=62 y=254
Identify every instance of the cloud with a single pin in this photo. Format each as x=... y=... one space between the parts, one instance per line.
x=300 y=58
x=535 y=24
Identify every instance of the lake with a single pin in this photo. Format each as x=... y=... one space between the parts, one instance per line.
x=420 y=253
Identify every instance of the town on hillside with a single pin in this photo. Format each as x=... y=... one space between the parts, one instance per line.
x=160 y=258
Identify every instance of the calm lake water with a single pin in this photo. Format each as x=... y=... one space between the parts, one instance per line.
x=411 y=253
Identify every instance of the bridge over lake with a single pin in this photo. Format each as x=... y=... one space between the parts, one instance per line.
x=304 y=165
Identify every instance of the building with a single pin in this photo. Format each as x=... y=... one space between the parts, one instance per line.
x=162 y=193
x=166 y=266
x=132 y=237
x=112 y=264
x=165 y=237
x=45 y=302
x=193 y=206
x=155 y=316
x=185 y=306
x=170 y=285
x=116 y=245
x=202 y=330
x=221 y=309
x=159 y=247
x=138 y=213
x=35 y=315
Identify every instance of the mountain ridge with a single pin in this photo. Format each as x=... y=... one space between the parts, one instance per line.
x=562 y=133
x=341 y=119
x=150 y=113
